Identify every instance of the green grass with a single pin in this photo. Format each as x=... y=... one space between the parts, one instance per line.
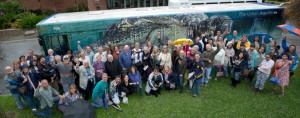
x=217 y=100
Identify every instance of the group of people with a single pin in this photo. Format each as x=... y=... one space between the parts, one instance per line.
x=110 y=75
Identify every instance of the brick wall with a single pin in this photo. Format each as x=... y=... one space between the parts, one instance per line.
x=52 y=5
x=97 y=5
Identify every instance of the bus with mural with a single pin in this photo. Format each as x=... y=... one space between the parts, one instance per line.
x=62 y=31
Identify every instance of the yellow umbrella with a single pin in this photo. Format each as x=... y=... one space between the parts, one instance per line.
x=182 y=40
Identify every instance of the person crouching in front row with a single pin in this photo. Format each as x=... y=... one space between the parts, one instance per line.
x=154 y=83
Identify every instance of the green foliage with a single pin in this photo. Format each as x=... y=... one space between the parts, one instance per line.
x=3 y=23
x=29 y=22
x=24 y=15
x=11 y=7
x=78 y=7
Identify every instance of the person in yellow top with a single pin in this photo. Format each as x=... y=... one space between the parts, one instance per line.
x=244 y=41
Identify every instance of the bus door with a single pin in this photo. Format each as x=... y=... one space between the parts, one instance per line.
x=59 y=43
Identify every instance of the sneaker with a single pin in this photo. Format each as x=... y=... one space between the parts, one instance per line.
x=216 y=79
x=34 y=111
x=188 y=91
x=194 y=95
x=206 y=85
x=117 y=107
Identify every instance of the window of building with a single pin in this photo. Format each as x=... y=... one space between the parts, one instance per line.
x=98 y=8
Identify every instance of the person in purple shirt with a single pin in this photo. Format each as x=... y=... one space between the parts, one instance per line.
x=136 y=79
x=99 y=67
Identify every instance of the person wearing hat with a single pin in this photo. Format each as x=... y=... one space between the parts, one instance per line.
x=65 y=70
x=154 y=82
x=229 y=53
x=28 y=82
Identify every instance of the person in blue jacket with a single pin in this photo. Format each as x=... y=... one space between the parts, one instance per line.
x=26 y=78
x=291 y=50
x=125 y=60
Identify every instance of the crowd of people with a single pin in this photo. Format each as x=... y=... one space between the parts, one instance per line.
x=110 y=75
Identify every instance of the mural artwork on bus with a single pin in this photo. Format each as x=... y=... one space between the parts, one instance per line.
x=160 y=29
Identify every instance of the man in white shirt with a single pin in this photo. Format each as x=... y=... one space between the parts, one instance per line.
x=102 y=53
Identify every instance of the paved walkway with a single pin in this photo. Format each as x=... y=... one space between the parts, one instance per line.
x=11 y=51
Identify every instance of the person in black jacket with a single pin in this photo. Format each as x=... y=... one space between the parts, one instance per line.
x=198 y=70
x=146 y=62
x=112 y=67
x=238 y=63
x=47 y=72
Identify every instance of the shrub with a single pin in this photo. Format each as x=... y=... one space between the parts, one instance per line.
x=11 y=7
x=78 y=7
x=29 y=22
x=3 y=23
x=24 y=15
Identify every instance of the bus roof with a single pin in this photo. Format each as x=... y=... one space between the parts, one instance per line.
x=150 y=11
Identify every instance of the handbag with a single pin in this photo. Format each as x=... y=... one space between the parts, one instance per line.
x=274 y=80
x=246 y=72
x=22 y=89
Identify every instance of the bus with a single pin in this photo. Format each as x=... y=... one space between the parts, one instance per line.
x=62 y=31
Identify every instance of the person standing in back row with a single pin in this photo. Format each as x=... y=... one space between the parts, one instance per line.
x=125 y=60
x=88 y=52
x=208 y=57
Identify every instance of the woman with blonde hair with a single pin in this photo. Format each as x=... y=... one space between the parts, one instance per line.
x=154 y=58
x=165 y=58
x=70 y=96
x=168 y=78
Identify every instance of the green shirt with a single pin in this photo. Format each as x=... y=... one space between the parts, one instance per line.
x=100 y=89
x=230 y=37
x=45 y=96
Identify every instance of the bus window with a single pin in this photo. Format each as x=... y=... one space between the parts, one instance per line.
x=59 y=44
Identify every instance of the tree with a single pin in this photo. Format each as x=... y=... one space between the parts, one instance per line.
x=11 y=7
x=292 y=12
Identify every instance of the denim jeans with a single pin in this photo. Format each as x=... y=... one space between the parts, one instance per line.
x=181 y=80
x=18 y=97
x=196 y=86
x=66 y=82
x=214 y=71
x=235 y=75
x=207 y=72
x=140 y=88
x=29 y=100
x=225 y=71
x=47 y=112
x=98 y=103
x=261 y=79
x=177 y=80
